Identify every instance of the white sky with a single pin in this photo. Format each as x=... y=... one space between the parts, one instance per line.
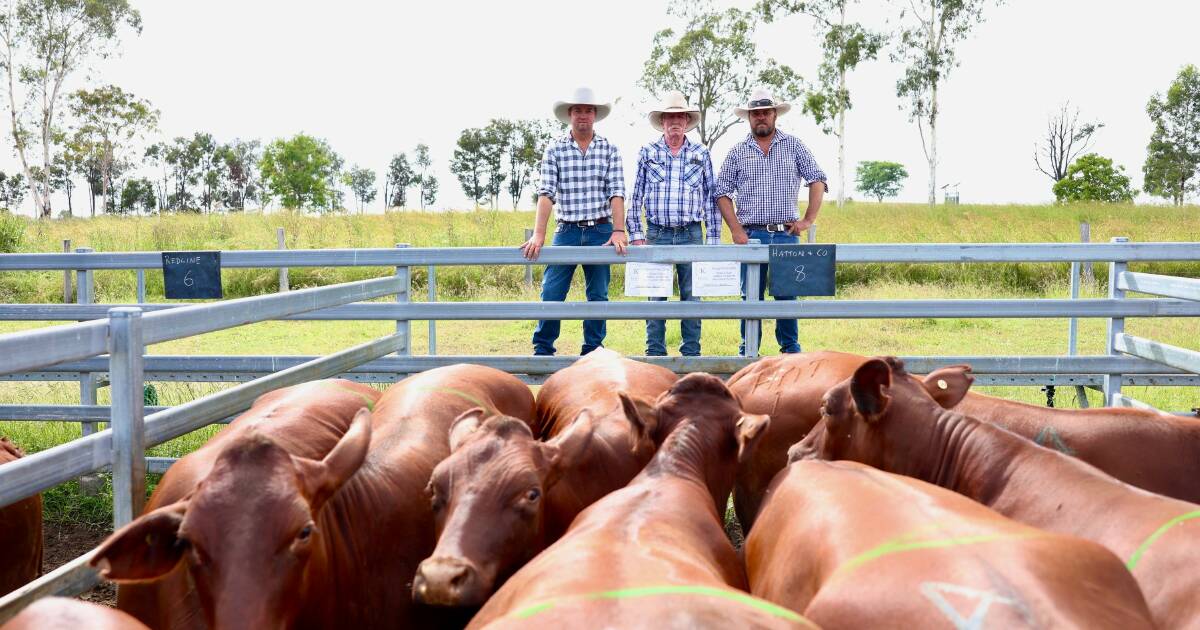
x=377 y=78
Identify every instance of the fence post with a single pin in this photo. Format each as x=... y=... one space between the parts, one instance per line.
x=812 y=233
x=85 y=289
x=753 y=326
x=1085 y=236
x=1073 y=333
x=141 y=286
x=283 y=271
x=1116 y=325
x=67 y=288
x=129 y=440
x=528 y=268
x=432 y=285
x=403 y=326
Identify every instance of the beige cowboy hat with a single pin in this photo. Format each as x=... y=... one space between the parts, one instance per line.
x=581 y=96
x=672 y=102
x=761 y=98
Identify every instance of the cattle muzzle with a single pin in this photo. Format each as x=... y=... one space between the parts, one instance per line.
x=448 y=581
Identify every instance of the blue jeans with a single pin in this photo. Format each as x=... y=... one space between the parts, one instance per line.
x=656 y=329
x=786 y=332
x=557 y=282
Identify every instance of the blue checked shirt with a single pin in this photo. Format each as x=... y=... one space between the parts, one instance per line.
x=676 y=190
x=581 y=185
x=766 y=188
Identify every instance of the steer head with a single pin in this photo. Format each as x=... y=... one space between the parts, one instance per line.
x=489 y=501
x=882 y=417
x=248 y=531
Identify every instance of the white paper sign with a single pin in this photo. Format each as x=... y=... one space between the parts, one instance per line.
x=714 y=279
x=648 y=279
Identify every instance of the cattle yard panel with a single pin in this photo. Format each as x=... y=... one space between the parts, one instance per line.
x=124 y=332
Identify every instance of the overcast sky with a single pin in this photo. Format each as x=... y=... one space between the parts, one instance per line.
x=377 y=78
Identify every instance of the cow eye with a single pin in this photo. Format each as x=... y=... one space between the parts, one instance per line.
x=533 y=495
x=305 y=532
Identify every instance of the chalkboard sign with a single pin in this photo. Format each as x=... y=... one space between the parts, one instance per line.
x=798 y=270
x=192 y=275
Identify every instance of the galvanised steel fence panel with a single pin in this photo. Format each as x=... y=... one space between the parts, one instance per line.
x=1155 y=284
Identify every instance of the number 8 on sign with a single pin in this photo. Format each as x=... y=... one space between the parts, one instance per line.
x=800 y=275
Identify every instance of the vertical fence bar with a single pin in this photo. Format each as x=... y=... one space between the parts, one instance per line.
x=1085 y=236
x=432 y=285
x=280 y=243
x=1116 y=325
x=85 y=294
x=67 y=288
x=812 y=233
x=141 y=286
x=1073 y=333
x=403 y=326
x=129 y=439
x=753 y=326
x=528 y=268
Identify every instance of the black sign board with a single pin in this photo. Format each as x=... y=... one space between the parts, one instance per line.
x=192 y=275
x=798 y=270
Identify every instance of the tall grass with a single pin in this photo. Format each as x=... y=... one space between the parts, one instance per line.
x=860 y=222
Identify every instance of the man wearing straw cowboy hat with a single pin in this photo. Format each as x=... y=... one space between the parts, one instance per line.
x=675 y=184
x=581 y=173
x=764 y=173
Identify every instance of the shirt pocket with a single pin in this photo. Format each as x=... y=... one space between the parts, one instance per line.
x=692 y=175
x=655 y=173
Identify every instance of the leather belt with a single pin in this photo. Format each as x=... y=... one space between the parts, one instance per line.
x=769 y=227
x=588 y=222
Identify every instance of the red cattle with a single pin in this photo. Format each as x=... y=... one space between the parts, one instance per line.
x=61 y=613
x=854 y=547
x=502 y=496
x=21 y=531
x=883 y=418
x=790 y=387
x=273 y=537
x=652 y=554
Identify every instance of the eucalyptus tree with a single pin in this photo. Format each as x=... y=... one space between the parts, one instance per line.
x=109 y=118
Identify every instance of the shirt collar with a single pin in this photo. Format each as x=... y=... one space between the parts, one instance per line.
x=569 y=140
x=662 y=144
x=780 y=136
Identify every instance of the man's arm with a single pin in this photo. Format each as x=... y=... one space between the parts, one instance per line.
x=633 y=221
x=816 y=192
x=712 y=215
x=735 y=227
x=806 y=167
x=616 y=199
x=533 y=246
x=726 y=184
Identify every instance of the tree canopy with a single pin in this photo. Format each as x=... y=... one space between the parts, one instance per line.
x=880 y=179
x=1172 y=167
x=1094 y=178
x=299 y=171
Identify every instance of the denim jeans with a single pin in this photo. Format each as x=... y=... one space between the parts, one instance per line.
x=786 y=332
x=557 y=282
x=656 y=329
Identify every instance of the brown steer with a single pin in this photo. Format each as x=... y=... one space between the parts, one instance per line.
x=854 y=547
x=502 y=496
x=884 y=418
x=61 y=613
x=21 y=532
x=789 y=388
x=273 y=538
x=652 y=554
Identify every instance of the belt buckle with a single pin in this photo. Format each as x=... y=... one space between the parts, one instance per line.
x=588 y=223
x=772 y=228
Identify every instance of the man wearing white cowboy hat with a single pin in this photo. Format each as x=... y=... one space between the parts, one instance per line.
x=674 y=184
x=764 y=173
x=581 y=173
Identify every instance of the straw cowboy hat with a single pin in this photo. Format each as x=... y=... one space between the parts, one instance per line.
x=672 y=102
x=581 y=96
x=762 y=98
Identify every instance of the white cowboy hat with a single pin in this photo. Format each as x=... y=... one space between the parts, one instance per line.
x=761 y=98
x=581 y=96
x=672 y=102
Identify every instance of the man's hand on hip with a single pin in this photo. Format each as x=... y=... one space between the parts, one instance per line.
x=799 y=227
x=739 y=235
x=533 y=246
x=619 y=241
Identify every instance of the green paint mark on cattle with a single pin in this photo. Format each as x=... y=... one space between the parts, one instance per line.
x=1158 y=533
x=905 y=542
x=366 y=399
x=461 y=394
x=655 y=591
x=1049 y=436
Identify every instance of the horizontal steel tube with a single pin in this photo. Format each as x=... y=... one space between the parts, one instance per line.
x=417 y=256
x=1121 y=400
x=1166 y=354
x=729 y=309
x=26 y=350
x=70 y=579
x=45 y=469
x=1154 y=284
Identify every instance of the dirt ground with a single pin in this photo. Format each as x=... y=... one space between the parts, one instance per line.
x=65 y=542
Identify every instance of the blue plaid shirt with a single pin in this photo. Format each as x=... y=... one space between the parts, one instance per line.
x=676 y=190
x=582 y=184
x=766 y=187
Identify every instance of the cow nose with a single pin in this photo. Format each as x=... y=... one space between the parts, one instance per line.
x=448 y=581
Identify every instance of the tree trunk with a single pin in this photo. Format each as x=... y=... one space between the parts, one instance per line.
x=841 y=197
x=933 y=112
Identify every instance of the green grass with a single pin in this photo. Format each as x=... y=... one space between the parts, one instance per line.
x=862 y=222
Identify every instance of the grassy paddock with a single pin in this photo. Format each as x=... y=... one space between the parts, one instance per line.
x=862 y=222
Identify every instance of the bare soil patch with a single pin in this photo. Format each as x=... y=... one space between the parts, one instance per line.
x=65 y=542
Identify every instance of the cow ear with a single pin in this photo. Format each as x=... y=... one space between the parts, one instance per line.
x=464 y=425
x=319 y=480
x=750 y=430
x=869 y=387
x=644 y=424
x=146 y=549
x=949 y=385
x=568 y=447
